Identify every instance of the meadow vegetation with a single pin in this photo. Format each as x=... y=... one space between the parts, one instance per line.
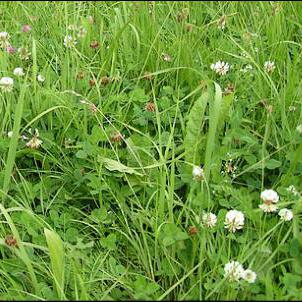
x=150 y=150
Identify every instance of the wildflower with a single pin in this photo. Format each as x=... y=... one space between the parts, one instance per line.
x=286 y=214
x=150 y=107
x=24 y=137
x=10 y=134
x=233 y=271
x=4 y=37
x=10 y=49
x=270 y=198
x=229 y=168
x=222 y=22
x=209 y=220
x=269 y=66
x=299 y=128
x=166 y=57
x=6 y=84
x=24 y=54
x=69 y=41
x=234 y=220
x=292 y=108
x=220 y=67
x=292 y=189
x=34 y=142
x=40 y=78
x=94 y=44
x=249 y=276
x=247 y=68
x=26 y=28
x=18 y=72
x=198 y=173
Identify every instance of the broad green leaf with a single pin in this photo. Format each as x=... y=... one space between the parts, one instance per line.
x=113 y=165
x=56 y=253
x=273 y=164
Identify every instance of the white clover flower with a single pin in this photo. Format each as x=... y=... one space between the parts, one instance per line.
x=270 y=198
x=209 y=220
x=234 y=220
x=6 y=84
x=268 y=208
x=69 y=41
x=4 y=37
x=10 y=134
x=286 y=214
x=249 y=276
x=198 y=173
x=233 y=271
x=292 y=189
x=269 y=66
x=299 y=128
x=166 y=57
x=34 y=142
x=220 y=67
x=247 y=68
x=18 y=72
x=40 y=78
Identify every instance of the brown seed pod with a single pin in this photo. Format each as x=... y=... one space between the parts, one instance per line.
x=104 y=80
x=10 y=240
x=92 y=82
x=147 y=76
x=229 y=89
x=150 y=107
x=116 y=137
x=189 y=27
x=80 y=75
x=94 y=44
x=182 y=15
x=192 y=230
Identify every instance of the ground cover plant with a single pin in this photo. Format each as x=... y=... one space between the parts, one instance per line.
x=150 y=150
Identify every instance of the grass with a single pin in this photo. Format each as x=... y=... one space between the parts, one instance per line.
x=106 y=208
